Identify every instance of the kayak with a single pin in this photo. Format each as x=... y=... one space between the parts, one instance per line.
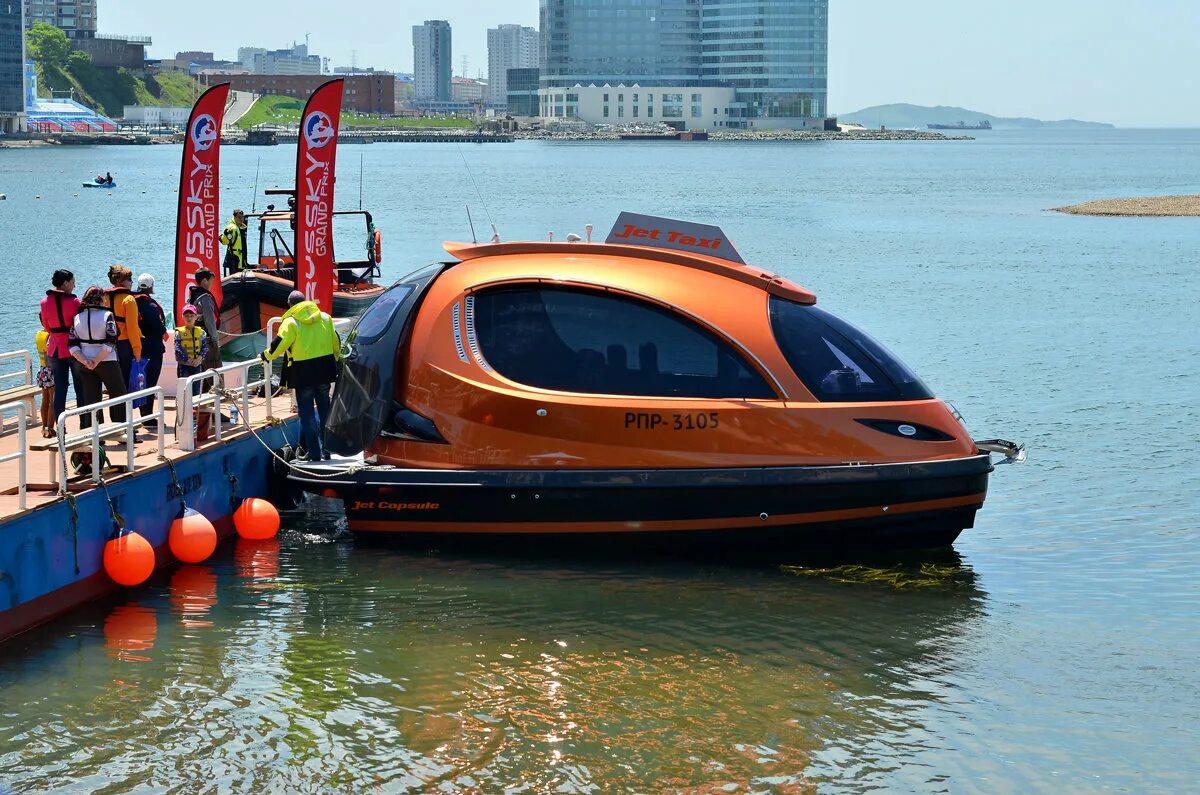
x=99 y=185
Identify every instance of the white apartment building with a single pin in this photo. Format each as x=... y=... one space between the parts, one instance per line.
x=509 y=47
x=146 y=114
x=703 y=108
x=431 y=60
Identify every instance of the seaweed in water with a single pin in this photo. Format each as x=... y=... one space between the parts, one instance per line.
x=924 y=575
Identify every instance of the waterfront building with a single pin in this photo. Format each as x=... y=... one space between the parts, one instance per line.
x=509 y=47
x=246 y=56
x=432 y=60
x=405 y=91
x=13 y=97
x=773 y=53
x=652 y=42
x=293 y=60
x=152 y=115
x=196 y=56
x=522 y=93
x=111 y=50
x=374 y=93
x=358 y=70
x=467 y=89
x=76 y=18
x=694 y=108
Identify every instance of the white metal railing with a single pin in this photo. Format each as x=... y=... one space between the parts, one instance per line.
x=66 y=441
x=22 y=451
x=186 y=402
x=25 y=374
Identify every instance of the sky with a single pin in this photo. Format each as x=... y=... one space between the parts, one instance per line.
x=1130 y=64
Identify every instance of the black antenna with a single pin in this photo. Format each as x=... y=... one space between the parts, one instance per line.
x=472 y=223
x=254 y=197
x=478 y=192
x=360 y=173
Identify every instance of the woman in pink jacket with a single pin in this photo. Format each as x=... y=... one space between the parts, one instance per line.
x=58 y=311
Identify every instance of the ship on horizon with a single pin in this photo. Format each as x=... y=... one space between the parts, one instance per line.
x=983 y=125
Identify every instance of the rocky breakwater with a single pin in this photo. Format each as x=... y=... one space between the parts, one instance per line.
x=752 y=135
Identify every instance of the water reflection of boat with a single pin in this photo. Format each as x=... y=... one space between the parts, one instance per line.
x=483 y=670
x=637 y=397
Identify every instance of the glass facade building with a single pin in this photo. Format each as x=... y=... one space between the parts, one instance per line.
x=12 y=66
x=620 y=41
x=521 y=88
x=774 y=52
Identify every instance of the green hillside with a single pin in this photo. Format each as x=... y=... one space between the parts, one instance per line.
x=904 y=115
x=274 y=109
x=61 y=70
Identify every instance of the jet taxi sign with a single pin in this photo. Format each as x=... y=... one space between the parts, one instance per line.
x=633 y=229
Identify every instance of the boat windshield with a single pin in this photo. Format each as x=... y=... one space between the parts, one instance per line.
x=836 y=361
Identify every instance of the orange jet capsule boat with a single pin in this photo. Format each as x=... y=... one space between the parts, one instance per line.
x=660 y=395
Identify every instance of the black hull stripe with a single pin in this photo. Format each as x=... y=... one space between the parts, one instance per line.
x=371 y=497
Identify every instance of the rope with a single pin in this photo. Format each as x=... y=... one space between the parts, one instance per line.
x=233 y=490
x=112 y=508
x=275 y=421
x=74 y=527
x=175 y=481
x=260 y=332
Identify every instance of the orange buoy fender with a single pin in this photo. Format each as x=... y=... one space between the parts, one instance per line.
x=192 y=537
x=128 y=557
x=256 y=519
x=378 y=246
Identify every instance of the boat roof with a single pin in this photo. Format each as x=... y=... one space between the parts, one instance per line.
x=746 y=274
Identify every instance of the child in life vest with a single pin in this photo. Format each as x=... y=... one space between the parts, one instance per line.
x=45 y=380
x=191 y=344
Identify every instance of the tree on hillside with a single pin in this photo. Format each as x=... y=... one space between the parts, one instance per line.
x=48 y=44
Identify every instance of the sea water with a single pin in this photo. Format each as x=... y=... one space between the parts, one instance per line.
x=1054 y=651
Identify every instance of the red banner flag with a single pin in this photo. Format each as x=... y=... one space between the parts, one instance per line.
x=315 y=154
x=197 y=224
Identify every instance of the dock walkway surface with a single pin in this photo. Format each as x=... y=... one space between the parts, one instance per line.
x=43 y=466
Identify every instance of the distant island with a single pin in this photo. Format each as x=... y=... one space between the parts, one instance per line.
x=920 y=116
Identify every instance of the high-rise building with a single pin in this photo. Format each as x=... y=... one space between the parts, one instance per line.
x=432 y=60
x=774 y=53
x=77 y=18
x=509 y=47
x=612 y=41
x=12 y=66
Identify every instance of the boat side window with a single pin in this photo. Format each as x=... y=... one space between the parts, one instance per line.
x=836 y=361
x=596 y=342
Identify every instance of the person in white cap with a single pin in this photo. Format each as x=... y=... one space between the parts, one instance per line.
x=153 y=323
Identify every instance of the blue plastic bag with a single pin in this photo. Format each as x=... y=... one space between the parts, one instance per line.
x=137 y=380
